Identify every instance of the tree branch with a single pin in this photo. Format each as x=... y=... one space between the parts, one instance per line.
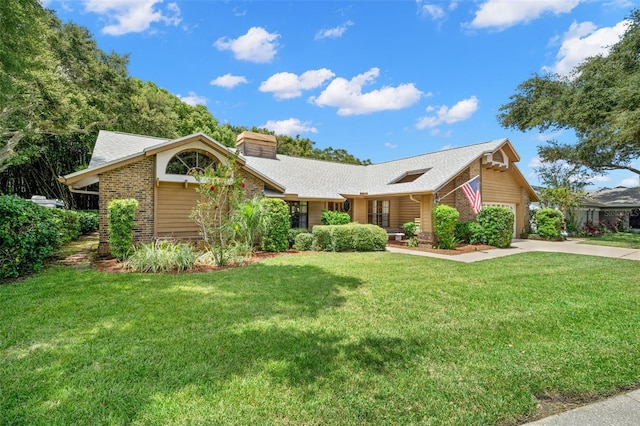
x=6 y=152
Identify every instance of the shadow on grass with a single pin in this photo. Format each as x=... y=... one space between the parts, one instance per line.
x=103 y=348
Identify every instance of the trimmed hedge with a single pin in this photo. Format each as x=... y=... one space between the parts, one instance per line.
x=497 y=225
x=445 y=219
x=469 y=232
x=121 y=214
x=332 y=217
x=275 y=237
x=549 y=223
x=28 y=235
x=89 y=221
x=303 y=242
x=293 y=234
x=351 y=237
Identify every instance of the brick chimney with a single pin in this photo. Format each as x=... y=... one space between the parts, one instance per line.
x=256 y=144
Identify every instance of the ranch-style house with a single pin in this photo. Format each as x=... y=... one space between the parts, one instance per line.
x=155 y=171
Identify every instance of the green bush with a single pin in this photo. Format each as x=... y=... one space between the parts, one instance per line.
x=89 y=221
x=121 y=216
x=162 y=256
x=409 y=229
x=293 y=234
x=67 y=223
x=332 y=217
x=497 y=225
x=354 y=236
x=303 y=242
x=549 y=223
x=445 y=218
x=469 y=232
x=275 y=237
x=28 y=235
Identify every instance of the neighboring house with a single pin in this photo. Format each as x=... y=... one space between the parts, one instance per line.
x=609 y=205
x=155 y=172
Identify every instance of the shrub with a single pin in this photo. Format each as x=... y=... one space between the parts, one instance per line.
x=249 y=222
x=89 y=221
x=332 y=217
x=293 y=234
x=412 y=242
x=275 y=237
x=162 y=256
x=549 y=223
x=28 y=235
x=469 y=232
x=353 y=236
x=67 y=223
x=445 y=218
x=497 y=225
x=121 y=216
x=409 y=229
x=303 y=241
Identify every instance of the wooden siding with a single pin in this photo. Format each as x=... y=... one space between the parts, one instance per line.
x=315 y=213
x=406 y=211
x=174 y=205
x=503 y=187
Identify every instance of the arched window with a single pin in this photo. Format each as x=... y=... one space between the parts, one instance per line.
x=187 y=162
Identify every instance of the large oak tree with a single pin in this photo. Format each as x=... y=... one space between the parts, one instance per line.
x=599 y=100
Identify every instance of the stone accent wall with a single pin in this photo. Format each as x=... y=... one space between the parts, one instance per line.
x=253 y=185
x=134 y=180
x=461 y=202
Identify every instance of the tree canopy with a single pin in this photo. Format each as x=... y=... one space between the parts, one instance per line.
x=58 y=89
x=599 y=100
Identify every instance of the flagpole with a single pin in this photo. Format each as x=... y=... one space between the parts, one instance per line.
x=456 y=188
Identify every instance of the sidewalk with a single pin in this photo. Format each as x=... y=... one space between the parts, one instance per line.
x=621 y=410
x=521 y=246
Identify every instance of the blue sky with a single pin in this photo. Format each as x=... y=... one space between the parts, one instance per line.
x=381 y=79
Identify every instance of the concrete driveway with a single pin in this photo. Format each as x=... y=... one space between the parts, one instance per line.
x=521 y=246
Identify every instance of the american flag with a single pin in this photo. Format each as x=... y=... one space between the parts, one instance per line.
x=471 y=190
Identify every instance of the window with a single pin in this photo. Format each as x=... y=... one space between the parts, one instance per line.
x=298 y=214
x=378 y=211
x=186 y=162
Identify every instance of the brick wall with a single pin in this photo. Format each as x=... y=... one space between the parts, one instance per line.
x=134 y=180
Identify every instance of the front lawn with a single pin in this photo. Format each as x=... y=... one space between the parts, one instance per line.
x=349 y=338
x=616 y=239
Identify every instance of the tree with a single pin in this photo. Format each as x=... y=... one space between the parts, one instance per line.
x=599 y=100
x=222 y=191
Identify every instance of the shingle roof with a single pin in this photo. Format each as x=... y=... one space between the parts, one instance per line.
x=112 y=146
x=615 y=197
x=309 y=178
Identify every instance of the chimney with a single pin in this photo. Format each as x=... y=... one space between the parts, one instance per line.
x=256 y=144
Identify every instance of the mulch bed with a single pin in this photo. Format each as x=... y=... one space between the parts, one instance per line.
x=90 y=258
x=462 y=248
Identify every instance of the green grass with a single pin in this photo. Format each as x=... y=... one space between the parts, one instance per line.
x=616 y=239
x=351 y=338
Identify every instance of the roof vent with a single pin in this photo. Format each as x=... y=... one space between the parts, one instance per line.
x=409 y=176
x=496 y=160
x=256 y=144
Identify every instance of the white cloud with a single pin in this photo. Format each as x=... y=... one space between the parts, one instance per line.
x=599 y=179
x=390 y=145
x=286 y=85
x=630 y=182
x=333 y=32
x=257 y=45
x=290 y=127
x=501 y=14
x=461 y=111
x=535 y=162
x=133 y=16
x=434 y=11
x=347 y=96
x=193 y=99
x=228 y=81
x=583 y=40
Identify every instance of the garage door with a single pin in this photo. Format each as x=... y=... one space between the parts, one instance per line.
x=511 y=206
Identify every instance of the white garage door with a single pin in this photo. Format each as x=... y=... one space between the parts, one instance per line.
x=511 y=206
